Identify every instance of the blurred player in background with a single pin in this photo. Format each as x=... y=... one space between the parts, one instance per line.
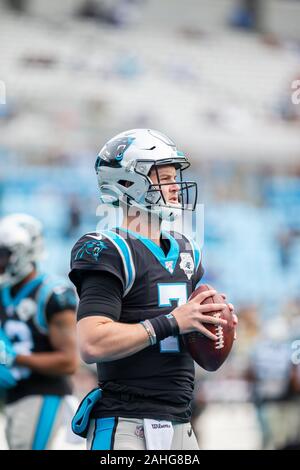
x=37 y=337
x=275 y=386
x=134 y=282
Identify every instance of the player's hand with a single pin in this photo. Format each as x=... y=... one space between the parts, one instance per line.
x=193 y=315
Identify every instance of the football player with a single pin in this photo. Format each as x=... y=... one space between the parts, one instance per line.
x=134 y=282
x=37 y=337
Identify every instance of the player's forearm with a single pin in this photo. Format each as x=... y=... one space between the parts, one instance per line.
x=112 y=341
x=49 y=363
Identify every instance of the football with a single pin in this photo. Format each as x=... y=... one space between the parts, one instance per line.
x=209 y=354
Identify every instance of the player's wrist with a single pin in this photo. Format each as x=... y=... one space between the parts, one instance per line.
x=174 y=324
x=164 y=326
x=150 y=332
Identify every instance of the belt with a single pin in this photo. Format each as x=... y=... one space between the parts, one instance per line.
x=129 y=397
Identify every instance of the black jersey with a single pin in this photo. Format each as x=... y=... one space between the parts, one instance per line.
x=158 y=381
x=24 y=319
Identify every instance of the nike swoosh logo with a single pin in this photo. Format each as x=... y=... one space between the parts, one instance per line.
x=99 y=237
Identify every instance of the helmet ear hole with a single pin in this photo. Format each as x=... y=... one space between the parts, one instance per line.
x=125 y=183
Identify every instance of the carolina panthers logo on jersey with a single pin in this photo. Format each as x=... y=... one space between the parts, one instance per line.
x=91 y=248
x=187 y=264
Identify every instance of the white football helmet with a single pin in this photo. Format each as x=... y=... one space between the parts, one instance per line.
x=35 y=229
x=123 y=166
x=21 y=247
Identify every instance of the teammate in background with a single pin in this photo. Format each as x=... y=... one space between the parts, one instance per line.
x=134 y=282
x=37 y=338
x=274 y=385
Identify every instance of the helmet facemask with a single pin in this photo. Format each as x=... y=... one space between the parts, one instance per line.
x=17 y=257
x=155 y=198
x=14 y=264
x=5 y=262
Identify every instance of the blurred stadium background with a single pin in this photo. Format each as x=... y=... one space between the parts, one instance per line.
x=215 y=75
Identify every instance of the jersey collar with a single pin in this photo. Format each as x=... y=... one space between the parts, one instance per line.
x=168 y=261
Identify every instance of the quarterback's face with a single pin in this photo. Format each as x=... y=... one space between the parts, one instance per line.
x=167 y=178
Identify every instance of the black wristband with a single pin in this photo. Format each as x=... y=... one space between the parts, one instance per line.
x=164 y=326
x=173 y=321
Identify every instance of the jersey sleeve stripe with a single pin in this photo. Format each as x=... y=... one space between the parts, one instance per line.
x=125 y=254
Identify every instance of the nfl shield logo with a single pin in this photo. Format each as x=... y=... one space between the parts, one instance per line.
x=169 y=266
